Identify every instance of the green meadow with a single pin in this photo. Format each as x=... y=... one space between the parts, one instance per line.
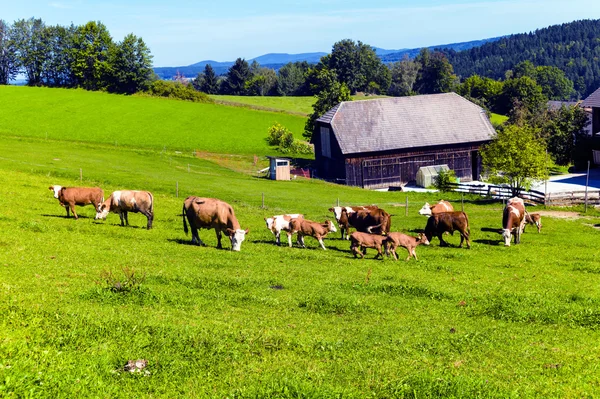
x=80 y=298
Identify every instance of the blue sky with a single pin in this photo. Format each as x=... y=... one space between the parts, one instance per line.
x=183 y=32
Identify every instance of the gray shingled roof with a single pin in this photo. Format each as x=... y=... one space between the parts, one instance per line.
x=407 y=122
x=593 y=100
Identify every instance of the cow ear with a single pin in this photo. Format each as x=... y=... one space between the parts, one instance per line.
x=330 y=209
x=230 y=232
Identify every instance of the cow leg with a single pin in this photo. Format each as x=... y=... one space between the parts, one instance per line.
x=442 y=242
x=278 y=238
x=356 y=251
x=301 y=240
x=379 y=253
x=122 y=218
x=72 y=206
x=318 y=237
x=289 y=236
x=150 y=217
x=219 y=235
x=414 y=253
x=126 y=215
x=196 y=237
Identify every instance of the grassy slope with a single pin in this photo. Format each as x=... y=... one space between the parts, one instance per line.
x=137 y=121
x=488 y=322
x=498 y=119
x=294 y=105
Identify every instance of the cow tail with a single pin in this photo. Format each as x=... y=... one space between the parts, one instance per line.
x=151 y=202
x=185 y=228
x=468 y=225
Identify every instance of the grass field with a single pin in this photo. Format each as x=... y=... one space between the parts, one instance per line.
x=137 y=122
x=498 y=119
x=293 y=105
x=275 y=321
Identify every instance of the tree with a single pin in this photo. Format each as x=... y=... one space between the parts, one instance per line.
x=516 y=156
x=329 y=97
x=564 y=129
x=436 y=74
x=555 y=85
x=209 y=83
x=523 y=90
x=262 y=83
x=90 y=53
x=130 y=64
x=235 y=80
x=358 y=66
x=484 y=89
x=8 y=54
x=57 y=68
x=291 y=79
x=403 y=77
x=32 y=48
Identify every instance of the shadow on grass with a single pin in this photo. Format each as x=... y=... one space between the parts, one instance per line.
x=491 y=230
x=488 y=242
x=183 y=241
x=65 y=216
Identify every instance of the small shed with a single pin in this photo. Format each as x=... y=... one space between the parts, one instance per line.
x=279 y=168
x=426 y=175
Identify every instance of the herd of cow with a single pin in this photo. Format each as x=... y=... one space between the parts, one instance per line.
x=372 y=223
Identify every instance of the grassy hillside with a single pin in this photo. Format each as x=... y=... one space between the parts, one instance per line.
x=137 y=122
x=271 y=321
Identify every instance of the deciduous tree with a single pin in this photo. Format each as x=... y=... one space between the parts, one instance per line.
x=8 y=54
x=91 y=46
x=130 y=66
x=329 y=97
x=517 y=156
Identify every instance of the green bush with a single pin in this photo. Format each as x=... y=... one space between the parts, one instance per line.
x=177 y=90
x=443 y=179
x=283 y=139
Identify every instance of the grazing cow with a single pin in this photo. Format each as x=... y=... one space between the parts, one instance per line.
x=374 y=220
x=71 y=196
x=125 y=201
x=211 y=213
x=395 y=240
x=442 y=206
x=443 y=222
x=309 y=228
x=281 y=222
x=513 y=220
x=359 y=241
x=344 y=223
x=533 y=219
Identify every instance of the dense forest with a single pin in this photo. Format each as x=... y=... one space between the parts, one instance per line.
x=572 y=47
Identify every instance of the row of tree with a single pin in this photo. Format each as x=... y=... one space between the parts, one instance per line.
x=75 y=56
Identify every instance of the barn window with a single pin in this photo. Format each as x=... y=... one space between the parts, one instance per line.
x=325 y=142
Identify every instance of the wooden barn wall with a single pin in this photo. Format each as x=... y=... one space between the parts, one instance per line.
x=328 y=168
x=379 y=170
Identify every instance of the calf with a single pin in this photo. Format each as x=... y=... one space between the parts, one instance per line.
x=359 y=240
x=513 y=220
x=309 y=228
x=281 y=222
x=343 y=222
x=442 y=206
x=71 y=196
x=533 y=219
x=122 y=202
x=443 y=222
x=395 y=240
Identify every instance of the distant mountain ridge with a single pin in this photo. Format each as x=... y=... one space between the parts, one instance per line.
x=277 y=60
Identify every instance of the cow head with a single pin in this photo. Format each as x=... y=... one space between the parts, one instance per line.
x=337 y=212
x=236 y=237
x=506 y=237
x=269 y=222
x=426 y=210
x=102 y=211
x=56 y=190
x=331 y=226
x=422 y=239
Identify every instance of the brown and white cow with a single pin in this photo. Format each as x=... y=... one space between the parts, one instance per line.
x=373 y=221
x=212 y=213
x=309 y=228
x=343 y=223
x=442 y=206
x=81 y=196
x=533 y=219
x=394 y=240
x=443 y=222
x=513 y=220
x=278 y=223
x=359 y=241
x=124 y=201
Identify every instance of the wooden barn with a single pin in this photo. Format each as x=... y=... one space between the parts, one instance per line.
x=592 y=102
x=383 y=142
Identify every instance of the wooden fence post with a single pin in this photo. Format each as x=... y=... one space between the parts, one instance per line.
x=177 y=189
x=263 y=201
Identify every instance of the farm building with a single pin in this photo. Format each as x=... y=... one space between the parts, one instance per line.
x=383 y=142
x=592 y=102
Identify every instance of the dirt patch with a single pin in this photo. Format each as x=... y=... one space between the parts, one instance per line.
x=560 y=214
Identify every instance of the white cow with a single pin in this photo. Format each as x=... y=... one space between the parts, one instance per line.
x=278 y=223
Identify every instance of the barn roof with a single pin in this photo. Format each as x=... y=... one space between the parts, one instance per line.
x=407 y=122
x=593 y=100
